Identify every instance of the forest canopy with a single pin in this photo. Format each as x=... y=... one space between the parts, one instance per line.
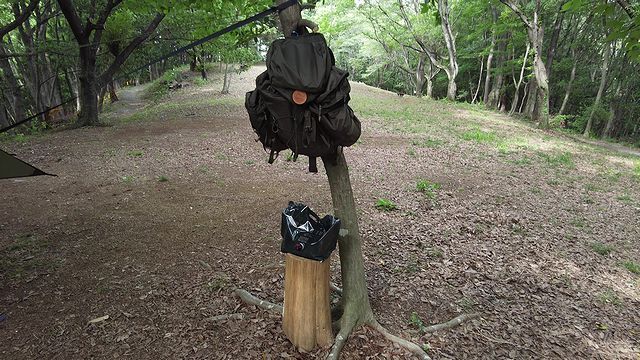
x=567 y=64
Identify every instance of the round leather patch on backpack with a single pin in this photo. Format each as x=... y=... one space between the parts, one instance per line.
x=299 y=97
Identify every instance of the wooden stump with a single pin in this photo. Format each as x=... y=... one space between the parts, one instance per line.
x=307 y=312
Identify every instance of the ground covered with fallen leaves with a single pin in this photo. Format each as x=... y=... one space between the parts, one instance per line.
x=136 y=247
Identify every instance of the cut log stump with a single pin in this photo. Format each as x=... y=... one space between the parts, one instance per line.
x=307 y=312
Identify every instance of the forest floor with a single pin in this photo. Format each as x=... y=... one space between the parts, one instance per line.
x=153 y=221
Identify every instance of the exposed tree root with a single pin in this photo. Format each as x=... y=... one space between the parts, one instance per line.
x=458 y=320
x=411 y=347
x=341 y=339
x=335 y=288
x=263 y=304
x=234 y=316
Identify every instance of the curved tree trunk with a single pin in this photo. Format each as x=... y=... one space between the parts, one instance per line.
x=420 y=78
x=475 y=95
x=603 y=82
x=572 y=77
x=535 y=32
x=487 y=80
x=450 y=41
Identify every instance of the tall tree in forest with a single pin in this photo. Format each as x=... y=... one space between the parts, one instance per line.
x=88 y=34
x=604 y=70
x=535 y=33
x=450 y=41
x=12 y=92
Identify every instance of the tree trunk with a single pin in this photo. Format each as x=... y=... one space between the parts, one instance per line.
x=572 y=77
x=475 y=95
x=603 y=82
x=420 y=78
x=4 y=119
x=494 y=94
x=450 y=41
x=517 y=84
x=524 y=97
x=13 y=95
x=88 y=88
x=535 y=32
x=226 y=81
x=532 y=97
x=487 y=80
x=113 y=97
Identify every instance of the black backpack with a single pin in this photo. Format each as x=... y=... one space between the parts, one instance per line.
x=302 y=101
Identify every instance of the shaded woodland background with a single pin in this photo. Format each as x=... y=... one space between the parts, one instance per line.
x=568 y=64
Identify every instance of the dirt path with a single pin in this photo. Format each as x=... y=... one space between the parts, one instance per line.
x=130 y=101
x=155 y=220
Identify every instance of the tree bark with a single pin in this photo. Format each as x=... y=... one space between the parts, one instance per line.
x=420 y=78
x=14 y=95
x=113 y=97
x=498 y=82
x=603 y=81
x=572 y=77
x=88 y=89
x=516 y=94
x=227 y=80
x=450 y=41
x=535 y=32
x=487 y=80
x=475 y=95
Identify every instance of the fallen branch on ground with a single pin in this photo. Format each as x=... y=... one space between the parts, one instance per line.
x=458 y=320
x=263 y=304
x=234 y=316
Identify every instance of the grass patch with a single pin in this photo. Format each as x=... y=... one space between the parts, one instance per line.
x=162 y=178
x=625 y=198
x=385 y=205
x=427 y=143
x=416 y=321
x=602 y=249
x=128 y=179
x=564 y=159
x=636 y=171
x=523 y=161
x=428 y=188
x=479 y=136
x=578 y=222
x=609 y=297
x=435 y=253
x=135 y=153
x=632 y=266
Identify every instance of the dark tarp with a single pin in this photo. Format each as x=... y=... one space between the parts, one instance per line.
x=11 y=167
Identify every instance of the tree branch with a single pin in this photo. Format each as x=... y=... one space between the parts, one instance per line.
x=129 y=49
x=75 y=23
x=624 y=4
x=518 y=12
x=458 y=320
x=20 y=18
